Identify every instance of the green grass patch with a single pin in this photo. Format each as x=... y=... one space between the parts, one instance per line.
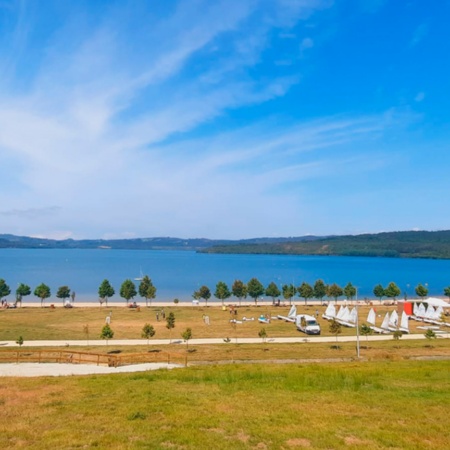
x=376 y=405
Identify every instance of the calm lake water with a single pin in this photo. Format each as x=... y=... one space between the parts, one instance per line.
x=177 y=274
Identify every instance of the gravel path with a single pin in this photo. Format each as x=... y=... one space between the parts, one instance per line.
x=57 y=370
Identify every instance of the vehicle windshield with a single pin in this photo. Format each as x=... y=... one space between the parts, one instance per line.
x=312 y=322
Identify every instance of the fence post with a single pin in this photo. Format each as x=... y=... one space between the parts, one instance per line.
x=17 y=358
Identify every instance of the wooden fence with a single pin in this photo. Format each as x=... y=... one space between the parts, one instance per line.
x=74 y=357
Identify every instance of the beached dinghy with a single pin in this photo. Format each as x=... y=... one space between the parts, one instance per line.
x=404 y=323
x=371 y=317
x=291 y=315
x=330 y=312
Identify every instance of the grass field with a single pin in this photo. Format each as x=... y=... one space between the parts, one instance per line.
x=61 y=323
x=389 y=400
x=373 y=405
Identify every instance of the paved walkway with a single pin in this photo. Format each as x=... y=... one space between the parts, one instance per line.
x=279 y=340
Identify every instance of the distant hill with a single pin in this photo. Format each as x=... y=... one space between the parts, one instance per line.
x=155 y=243
x=400 y=244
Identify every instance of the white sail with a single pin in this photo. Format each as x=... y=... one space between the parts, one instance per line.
x=404 y=323
x=330 y=312
x=343 y=310
x=385 y=323
x=352 y=316
x=430 y=312
x=421 y=311
x=393 y=320
x=292 y=312
x=439 y=312
x=371 y=317
x=415 y=309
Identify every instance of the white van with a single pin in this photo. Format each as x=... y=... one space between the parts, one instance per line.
x=307 y=324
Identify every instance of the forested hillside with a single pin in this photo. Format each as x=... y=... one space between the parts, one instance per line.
x=401 y=244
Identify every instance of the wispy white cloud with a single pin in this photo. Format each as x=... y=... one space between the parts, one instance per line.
x=119 y=128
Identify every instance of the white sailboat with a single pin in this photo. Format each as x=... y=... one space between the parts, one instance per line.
x=291 y=315
x=139 y=278
x=371 y=317
x=404 y=323
x=393 y=321
x=385 y=323
x=330 y=312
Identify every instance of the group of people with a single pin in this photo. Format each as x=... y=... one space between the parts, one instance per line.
x=163 y=315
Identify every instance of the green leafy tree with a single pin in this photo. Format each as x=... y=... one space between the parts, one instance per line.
x=379 y=292
x=63 y=293
x=273 y=291
x=19 y=341
x=203 y=293
x=147 y=290
x=335 y=328
x=4 y=289
x=170 y=324
x=365 y=330
x=392 y=290
x=305 y=291
x=447 y=292
x=320 y=289
x=255 y=289
x=239 y=290
x=148 y=332
x=43 y=292
x=105 y=291
x=107 y=333
x=187 y=335
x=349 y=291
x=222 y=292
x=334 y=291
x=289 y=292
x=421 y=291
x=23 y=290
x=128 y=290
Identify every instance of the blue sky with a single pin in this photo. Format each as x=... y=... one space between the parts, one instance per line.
x=223 y=119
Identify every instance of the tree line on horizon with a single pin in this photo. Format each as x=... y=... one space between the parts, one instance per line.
x=254 y=289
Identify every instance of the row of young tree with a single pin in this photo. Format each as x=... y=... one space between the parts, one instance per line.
x=128 y=291
x=254 y=289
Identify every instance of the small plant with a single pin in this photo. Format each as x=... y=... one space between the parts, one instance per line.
x=86 y=332
x=227 y=340
x=107 y=333
x=430 y=334
x=263 y=334
x=137 y=416
x=19 y=341
x=170 y=323
x=176 y=301
x=148 y=332
x=397 y=335
x=187 y=335
x=365 y=330
x=335 y=328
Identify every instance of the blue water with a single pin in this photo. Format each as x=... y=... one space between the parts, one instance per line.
x=177 y=274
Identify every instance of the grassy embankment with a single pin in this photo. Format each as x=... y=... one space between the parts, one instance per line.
x=355 y=405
